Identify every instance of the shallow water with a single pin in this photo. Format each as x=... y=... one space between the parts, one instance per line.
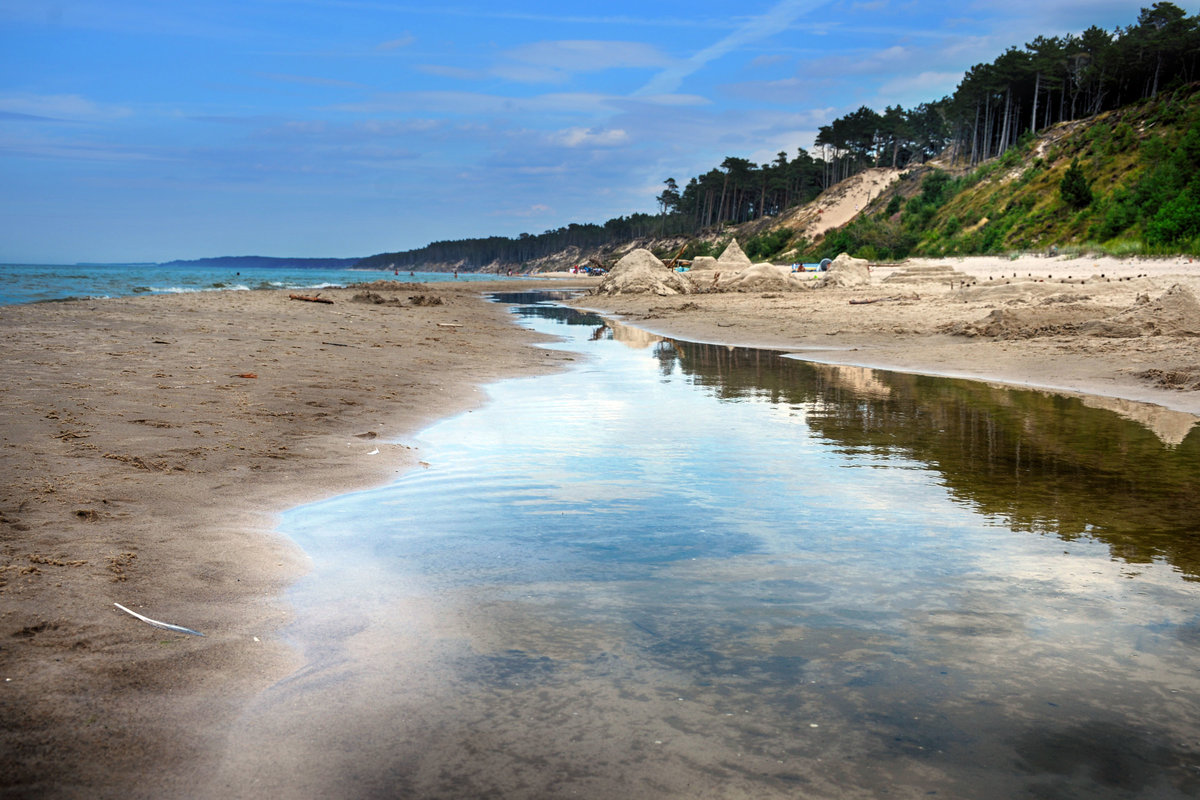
x=39 y=283
x=684 y=570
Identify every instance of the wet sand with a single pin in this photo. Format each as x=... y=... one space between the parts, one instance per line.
x=149 y=443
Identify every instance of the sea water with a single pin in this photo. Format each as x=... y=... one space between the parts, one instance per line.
x=688 y=570
x=31 y=283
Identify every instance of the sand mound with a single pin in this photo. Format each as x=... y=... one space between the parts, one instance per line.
x=763 y=278
x=1186 y=378
x=640 y=272
x=1175 y=313
x=703 y=263
x=928 y=273
x=845 y=272
x=1014 y=293
x=1029 y=323
x=733 y=258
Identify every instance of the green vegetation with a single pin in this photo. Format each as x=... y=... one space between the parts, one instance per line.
x=1074 y=187
x=1126 y=184
x=1124 y=181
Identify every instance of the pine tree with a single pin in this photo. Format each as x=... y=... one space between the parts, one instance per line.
x=1075 y=189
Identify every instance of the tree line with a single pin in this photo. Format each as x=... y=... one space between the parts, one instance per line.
x=475 y=254
x=1049 y=80
x=1057 y=79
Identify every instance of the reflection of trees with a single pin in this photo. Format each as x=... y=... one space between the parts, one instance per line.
x=1041 y=462
x=567 y=316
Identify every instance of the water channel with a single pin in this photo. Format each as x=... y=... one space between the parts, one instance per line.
x=686 y=570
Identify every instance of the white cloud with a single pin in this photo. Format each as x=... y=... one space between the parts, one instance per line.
x=441 y=71
x=396 y=44
x=769 y=24
x=309 y=80
x=676 y=100
x=535 y=210
x=581 y=55
x=910 y=90
x=557 y=61
x=63 y=107
x=587 y=137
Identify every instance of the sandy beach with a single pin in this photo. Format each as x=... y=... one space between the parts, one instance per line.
x=149 y=443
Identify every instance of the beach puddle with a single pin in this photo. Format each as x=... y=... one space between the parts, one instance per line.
x=685 y=570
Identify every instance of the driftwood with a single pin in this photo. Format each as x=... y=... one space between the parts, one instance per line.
x=313 y=298
x=672 y=262
x=875 y=300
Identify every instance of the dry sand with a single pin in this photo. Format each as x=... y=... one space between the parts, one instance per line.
x=149 y=442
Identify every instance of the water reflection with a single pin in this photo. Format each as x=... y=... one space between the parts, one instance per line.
x=682 y=570
x=1042 y=462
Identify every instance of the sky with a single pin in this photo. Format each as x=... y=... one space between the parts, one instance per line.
x=145 y=131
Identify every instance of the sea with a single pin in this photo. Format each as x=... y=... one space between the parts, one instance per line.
x=40 y=283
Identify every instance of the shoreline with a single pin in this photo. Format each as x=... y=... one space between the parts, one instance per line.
x=150 y=445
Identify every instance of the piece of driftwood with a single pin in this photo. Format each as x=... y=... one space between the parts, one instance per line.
x=874 y=300
x=671 y=263
x=449 y=324
x=166 y=626
x=311 y=298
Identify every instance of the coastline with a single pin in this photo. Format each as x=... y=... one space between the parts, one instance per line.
x=149 y=444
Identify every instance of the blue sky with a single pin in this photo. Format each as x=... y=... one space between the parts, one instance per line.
x=144 y=130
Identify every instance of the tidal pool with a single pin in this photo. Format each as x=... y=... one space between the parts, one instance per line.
x=686 y=570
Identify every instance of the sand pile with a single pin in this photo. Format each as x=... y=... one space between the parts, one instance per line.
x=641 y=272
x=764 y=278
x=703 y=263
x=1044 y=319
x=928 y=273
x=845 y=272
x=1183 y=378
x=733 y=259
x=376 y=298
x=1015 y=293
x=1175 y=313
